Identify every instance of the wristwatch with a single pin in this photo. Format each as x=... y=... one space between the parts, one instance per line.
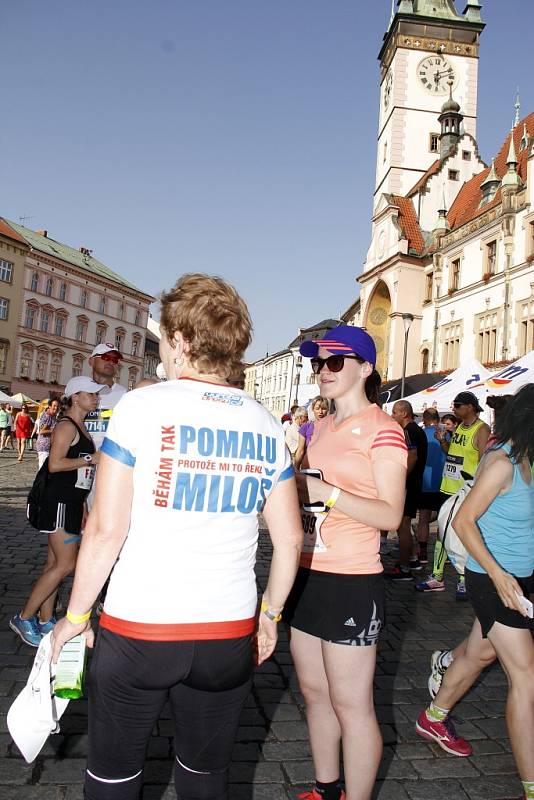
x=88 y=458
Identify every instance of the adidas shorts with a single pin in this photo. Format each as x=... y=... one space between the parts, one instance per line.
x=343 y=609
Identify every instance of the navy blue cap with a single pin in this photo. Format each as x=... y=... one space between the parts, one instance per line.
x=342 y=340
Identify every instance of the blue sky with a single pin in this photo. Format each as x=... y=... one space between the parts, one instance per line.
x=235 y=137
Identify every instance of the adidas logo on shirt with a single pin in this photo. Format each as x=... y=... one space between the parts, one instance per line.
x=350 y=622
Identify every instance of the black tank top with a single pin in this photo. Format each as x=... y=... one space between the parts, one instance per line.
x=62 y=485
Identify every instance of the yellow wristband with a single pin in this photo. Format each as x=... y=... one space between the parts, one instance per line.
x=76 y=619
x=269 y=613
x=332 y=500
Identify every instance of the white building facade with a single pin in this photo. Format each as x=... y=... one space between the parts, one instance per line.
x=452 y=238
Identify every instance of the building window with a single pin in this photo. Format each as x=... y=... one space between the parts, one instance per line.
x=4 y=349
x=4 y=308
x=429 y=286
x=40 y=371
x=120 y=313
x=466 y=155
x=49 y=287
x=433 y=144
x=83 y=298
x=101 y=333
x=55 y=368
x=454 y=175
x=491 y=258
x=6 y=271
x=102 y=304
x=45 y=321
x=385 y=157
x=29 y=320
x=34 y=286
x=119 y=339
x=137 y=320
x=81 y=330
x=526 y=327
x=452 y=334
x=136 y=341
x=77 y=366
x=486 y=342
x=132 y=379
x=454 y=282
x=63 y=291
x=530 y=241
x=25 y=364
x=59 y=326
x=425 y=361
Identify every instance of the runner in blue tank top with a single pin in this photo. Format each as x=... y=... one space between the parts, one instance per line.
x=496 y=525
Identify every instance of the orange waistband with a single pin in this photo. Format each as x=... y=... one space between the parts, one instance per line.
x=179 y=631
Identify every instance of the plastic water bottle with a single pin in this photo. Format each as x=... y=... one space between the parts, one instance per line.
x=70 y=670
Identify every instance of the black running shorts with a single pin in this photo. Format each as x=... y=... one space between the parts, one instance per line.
x=205 y=682
x=343 y=609
x=489 y=607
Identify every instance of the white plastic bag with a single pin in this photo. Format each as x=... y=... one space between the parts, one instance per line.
x=449 y=538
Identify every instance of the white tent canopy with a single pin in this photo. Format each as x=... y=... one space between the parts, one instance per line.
x=470 y=377
x=510 y=379
x=4 y=398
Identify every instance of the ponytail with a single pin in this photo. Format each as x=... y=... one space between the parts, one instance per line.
x=372 y=387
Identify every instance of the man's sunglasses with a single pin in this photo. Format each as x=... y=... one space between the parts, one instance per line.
x=115 y=357
x=334 y=363
x=458 y=405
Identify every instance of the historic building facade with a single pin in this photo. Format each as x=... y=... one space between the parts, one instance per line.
x=13 y=250
x=70 y=301
x=452 y=238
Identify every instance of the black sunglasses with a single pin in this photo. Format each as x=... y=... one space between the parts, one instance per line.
x=459 y=405
x=334 y=363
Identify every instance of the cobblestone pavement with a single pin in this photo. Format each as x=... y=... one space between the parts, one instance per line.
x=271 y=757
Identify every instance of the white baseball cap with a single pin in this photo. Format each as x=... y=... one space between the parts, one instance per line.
x=105 y=347
x=34 y=714
x=83 y=384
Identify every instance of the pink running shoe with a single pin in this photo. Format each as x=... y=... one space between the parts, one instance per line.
x=444 y=734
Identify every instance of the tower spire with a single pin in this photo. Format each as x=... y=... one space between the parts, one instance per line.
x=517 y=106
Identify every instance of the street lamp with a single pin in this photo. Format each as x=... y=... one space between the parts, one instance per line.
x=298 y=367
x=407 y=320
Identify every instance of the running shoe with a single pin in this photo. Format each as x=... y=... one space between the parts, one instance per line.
x=415 y=564
x=430 y=585
x=398 y=574
x=461 y=591
x=437 y=671
x=314 y=795
x=46 y=627
x=27 y=629
x=443 y=733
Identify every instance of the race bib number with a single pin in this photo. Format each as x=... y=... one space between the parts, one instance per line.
x=85 y=477
x=311 y=524
x=453 y=468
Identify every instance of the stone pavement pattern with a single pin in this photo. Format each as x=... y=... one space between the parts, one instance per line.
x=271 y=759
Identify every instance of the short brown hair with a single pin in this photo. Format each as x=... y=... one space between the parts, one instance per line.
x=212 y=318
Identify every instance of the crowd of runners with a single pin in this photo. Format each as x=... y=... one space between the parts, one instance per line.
x=184 y=467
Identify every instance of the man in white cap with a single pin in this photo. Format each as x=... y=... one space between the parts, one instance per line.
x=104 y=360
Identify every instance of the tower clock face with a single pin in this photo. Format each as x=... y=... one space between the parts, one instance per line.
x=435 y=73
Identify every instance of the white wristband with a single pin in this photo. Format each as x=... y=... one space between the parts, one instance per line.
x=332 y=500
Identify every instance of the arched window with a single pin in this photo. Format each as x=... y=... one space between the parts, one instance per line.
x=136 y=344
x=63 y=291
x=49 y=287
x=26 y=360
x=101 y=332
x=77 y=365
x=132 y=378
x=120 y=334
x=34 y=287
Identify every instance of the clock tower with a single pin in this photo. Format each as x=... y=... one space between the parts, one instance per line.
x=428 y=47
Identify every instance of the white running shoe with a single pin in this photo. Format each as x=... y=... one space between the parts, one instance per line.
x=437 y=671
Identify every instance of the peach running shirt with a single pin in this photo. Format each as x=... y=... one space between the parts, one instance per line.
x=347 y=454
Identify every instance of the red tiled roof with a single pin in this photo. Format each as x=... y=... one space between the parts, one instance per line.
x=5 y=230
x=409 y=224
x=466 y=206
x=428 y=174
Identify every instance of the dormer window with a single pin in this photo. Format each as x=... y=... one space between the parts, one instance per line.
x=434 y=143
x=454 y=175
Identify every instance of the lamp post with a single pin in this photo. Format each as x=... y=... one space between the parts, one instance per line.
x=298 y=367
x=407 y=320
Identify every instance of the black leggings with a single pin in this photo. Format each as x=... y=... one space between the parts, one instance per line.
x=206 y=683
